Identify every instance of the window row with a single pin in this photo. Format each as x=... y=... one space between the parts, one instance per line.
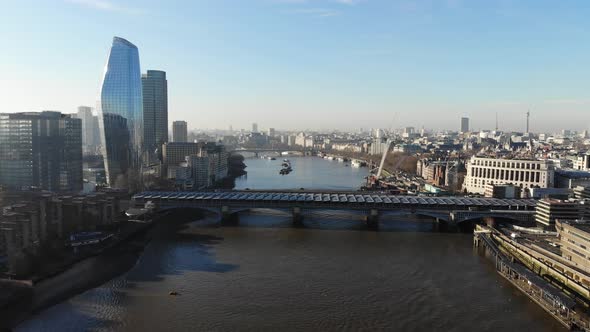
x=506 y=175
x=507 y=164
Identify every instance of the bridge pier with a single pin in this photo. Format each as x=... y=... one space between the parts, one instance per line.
x=297 y=217
x=373 y=219
x=226 y=216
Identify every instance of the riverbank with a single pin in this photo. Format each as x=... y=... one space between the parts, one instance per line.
x=91 y=272
x=15 y=297
x=85 y=273
x=557 y=300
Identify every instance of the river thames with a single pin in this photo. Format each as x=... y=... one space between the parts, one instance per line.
x=265 y=275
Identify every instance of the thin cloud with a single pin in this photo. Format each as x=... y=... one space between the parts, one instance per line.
x=347 y=2
x=315 y=12
x=105 y=5
x=290 y=1
x=342 y=2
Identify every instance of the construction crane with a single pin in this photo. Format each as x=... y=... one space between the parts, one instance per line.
x=388 y=144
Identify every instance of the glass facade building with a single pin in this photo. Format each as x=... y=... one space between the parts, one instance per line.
x=155 y=111
x=121 y=105
x=42 y=150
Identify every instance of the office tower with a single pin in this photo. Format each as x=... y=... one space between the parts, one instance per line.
x=41 y=149
x=121 y=105
x=271 y=132
x=155 y=111
x=464 y=125
x=255 y=127
x=179 y=132
x=90 y=131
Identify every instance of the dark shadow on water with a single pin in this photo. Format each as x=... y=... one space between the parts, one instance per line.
x=75 y=320
x=352 y=222
x=173 y=251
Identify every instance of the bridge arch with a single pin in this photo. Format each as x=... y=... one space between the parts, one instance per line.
x=433 y=214
x=475 y=217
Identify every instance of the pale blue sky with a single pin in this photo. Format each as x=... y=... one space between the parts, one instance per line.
x=313 y=64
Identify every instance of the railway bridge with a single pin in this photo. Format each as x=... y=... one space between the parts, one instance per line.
x=372 y=205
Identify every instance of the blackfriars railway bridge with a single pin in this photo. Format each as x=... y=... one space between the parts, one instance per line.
x=372 y=205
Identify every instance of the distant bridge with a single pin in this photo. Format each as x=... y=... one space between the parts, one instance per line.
x=258 y=151
x=447 y=209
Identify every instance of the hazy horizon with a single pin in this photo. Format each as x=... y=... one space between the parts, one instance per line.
x=314 y=64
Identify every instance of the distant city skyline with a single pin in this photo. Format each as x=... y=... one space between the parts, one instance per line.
x=325 y=64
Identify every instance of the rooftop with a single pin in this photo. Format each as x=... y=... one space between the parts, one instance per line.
x=573 y=173
x=583 y=225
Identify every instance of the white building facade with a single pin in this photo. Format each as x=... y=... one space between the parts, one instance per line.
x=482 y=171
x=582 y=162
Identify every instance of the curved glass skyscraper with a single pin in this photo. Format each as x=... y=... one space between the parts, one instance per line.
x=121 y=111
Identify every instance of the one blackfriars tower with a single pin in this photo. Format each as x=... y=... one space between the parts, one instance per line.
x=121 y=111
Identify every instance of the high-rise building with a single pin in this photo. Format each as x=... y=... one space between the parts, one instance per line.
x=255 y=127
x=121 y=101
x=179 y=132
x=41 y=149
x=155 y=111
x=271 y=132
x=90 y=131
x=464 y=125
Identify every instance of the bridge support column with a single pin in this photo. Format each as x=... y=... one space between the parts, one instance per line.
x=226 y=215
x=297 y=217
x=373 y=219
x=441 y=225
